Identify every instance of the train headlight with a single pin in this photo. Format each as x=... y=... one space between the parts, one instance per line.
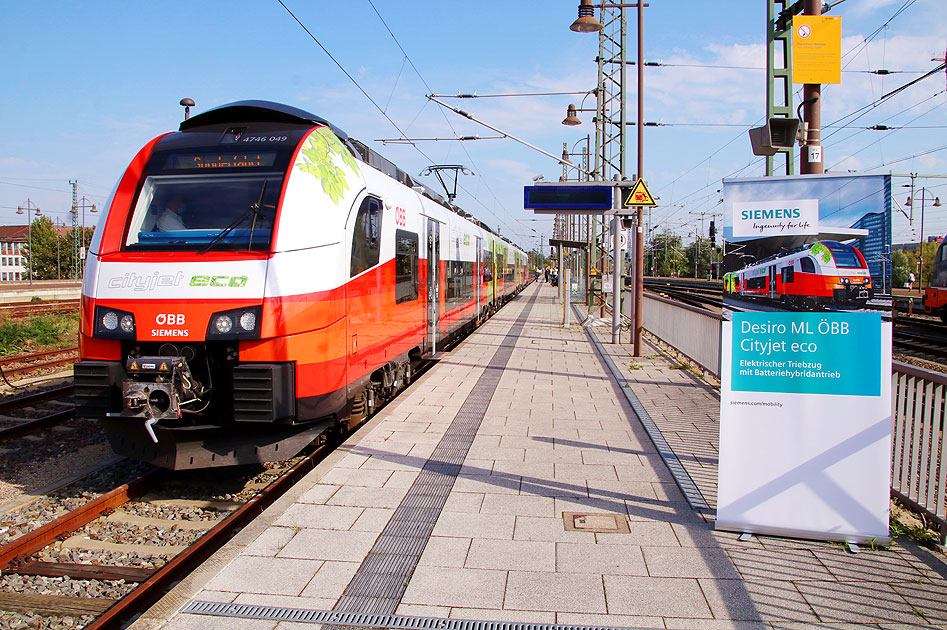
x=248 y=321
x=112 y=323
x=240 y=323
x=223 y=324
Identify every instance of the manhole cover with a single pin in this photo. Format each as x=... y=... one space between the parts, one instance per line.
x=598 y=523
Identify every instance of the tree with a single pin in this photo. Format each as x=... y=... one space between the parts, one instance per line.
x=701 y=249
x=667 y=257
x=41 y=250
x=900 y=268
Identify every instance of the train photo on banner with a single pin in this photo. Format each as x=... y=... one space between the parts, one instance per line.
x=823 y=274
x=259 y=278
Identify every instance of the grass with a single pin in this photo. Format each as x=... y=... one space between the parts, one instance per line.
x=904 y=523
x=42 y=332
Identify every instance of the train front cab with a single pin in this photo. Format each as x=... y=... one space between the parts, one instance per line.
x=935 y=295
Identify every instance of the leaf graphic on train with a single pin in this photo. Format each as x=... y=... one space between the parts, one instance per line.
x=317 y=159
x=821 y=252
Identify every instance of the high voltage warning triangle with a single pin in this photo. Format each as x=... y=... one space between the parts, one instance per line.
x=639 y=196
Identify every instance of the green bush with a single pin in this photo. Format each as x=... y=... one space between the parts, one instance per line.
x=28 y=335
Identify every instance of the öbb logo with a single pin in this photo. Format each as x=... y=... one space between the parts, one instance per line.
x=219 y=281
x=170 y=319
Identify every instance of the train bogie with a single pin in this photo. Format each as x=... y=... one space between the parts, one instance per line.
x=259 y=277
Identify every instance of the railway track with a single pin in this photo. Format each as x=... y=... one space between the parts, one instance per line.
x=16 y=428
x=31 y=309
x=124 y=548
x=38 y=361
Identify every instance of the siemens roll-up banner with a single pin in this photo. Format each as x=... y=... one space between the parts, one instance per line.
x=805 y=416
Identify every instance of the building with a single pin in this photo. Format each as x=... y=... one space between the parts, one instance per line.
x=876 y=248
x=13 y=243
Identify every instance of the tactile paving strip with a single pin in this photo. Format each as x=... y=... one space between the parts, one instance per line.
x=383 y=576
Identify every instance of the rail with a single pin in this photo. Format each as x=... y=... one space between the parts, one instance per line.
x=919 y=407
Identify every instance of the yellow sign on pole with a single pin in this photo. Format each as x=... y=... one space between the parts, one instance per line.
x=639 y=196
x=817 y=49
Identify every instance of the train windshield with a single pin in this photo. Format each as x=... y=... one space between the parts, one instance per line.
x=200 y=213
x=844 y=255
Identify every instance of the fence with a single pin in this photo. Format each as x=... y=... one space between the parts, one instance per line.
x=695 y=332
x=919 y=406
x=918 y=471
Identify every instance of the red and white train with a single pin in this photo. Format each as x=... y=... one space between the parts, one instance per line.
x=819 y=274
x=259 y=277
x=935 y=295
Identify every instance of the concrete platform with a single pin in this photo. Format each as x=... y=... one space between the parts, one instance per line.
x=514 y=482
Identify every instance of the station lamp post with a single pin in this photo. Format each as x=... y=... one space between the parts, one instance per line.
x=82 y=203
x=586 y=23
x=920 y=249
x=29 y=231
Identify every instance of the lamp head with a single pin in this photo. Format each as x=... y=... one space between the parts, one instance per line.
x=571 y=118
x=586 y=22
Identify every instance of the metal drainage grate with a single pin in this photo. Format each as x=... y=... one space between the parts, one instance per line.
x=367 y=620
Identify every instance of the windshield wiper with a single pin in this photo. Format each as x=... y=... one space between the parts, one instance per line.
x=255 y=209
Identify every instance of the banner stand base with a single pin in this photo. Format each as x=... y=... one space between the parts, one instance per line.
x=782 y=532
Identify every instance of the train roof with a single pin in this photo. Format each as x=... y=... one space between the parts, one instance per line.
x=258 y=111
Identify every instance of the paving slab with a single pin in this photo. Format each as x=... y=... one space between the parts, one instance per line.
x=553 y=435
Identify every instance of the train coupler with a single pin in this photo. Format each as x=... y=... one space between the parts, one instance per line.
x=156 y=389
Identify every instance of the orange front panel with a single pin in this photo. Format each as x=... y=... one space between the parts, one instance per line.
x=319 y=356
x=935 y=298
x=99 y=349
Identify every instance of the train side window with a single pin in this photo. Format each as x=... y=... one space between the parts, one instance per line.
x=788 y=274
x=406 y=266
x=806 y=265
x=366 y=237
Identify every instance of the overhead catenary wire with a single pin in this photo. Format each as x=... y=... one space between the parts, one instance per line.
x=364 y=92
x=446 y=119
x=852 y=52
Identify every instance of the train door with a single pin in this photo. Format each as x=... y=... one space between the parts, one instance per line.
x=478 y=279
x=433 y=280
x=772 y=281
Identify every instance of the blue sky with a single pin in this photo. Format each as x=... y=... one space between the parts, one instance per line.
x=88 y=83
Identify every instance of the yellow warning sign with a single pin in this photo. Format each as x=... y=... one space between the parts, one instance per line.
x=133 y=366
x=817 y=49
x=639 y=196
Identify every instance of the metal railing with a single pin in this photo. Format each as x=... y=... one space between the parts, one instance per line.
x=919 y=454
x=918 y=396
x=694 y=332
